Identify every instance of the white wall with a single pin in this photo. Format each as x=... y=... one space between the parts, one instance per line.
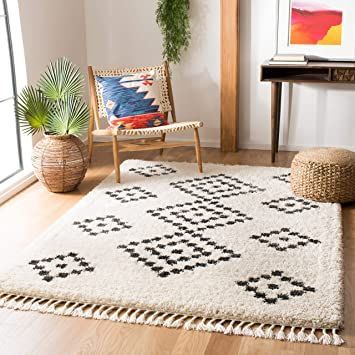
x=124 y=33
x=315 y=114
x=52 y=29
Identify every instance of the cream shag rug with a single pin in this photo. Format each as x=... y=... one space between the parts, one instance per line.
x=231 y=250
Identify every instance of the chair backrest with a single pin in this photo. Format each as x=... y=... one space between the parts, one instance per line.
x=163 y=75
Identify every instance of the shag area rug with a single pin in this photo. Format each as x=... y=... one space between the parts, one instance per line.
x=231 y=250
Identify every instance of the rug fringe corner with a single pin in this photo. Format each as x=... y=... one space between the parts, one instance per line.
x=171 y=320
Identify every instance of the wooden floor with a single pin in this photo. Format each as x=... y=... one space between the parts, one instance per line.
x=28 y=214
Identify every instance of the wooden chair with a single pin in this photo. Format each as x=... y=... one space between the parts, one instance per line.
x=150 y=138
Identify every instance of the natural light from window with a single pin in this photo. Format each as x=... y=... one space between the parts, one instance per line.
x=12 y=79
x=11 y=159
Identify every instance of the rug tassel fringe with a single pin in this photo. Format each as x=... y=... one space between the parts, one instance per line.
x=99 y=313
x=281 y=334
x=190 y=324
x=159 y=320
x=292 y=335
x=134 y=315
x=178 y=323
x=238 y=330
x=152 y=318
x=325 y=339
x=259 y=332
x=270 y=333
x=220 y=327
x=301 y=336
x=337 y=340
x=90 y=311
x=104 y=313
x=248 y=330
x=115 y=315
x=312 y=338
x=202 y=326
x=229 y=329
x=171 y=320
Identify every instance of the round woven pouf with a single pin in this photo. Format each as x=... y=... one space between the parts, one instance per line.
x=324 y=174
x=60 y=162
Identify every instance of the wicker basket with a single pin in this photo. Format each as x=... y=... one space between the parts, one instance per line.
x=324 y=174
x=60 y=162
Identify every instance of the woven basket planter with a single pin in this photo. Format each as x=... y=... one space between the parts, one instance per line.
x=324 y=174
x=60 y=162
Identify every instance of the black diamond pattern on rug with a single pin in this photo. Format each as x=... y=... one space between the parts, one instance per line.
x=173 y=254
x=101 y=226
x=216 y=187
x=283 y=177
x=153 y=170
x=199 y=215
x=130 y=194
x=61 y=266
x=291 y=205
x=284 y=239
x=274 y=287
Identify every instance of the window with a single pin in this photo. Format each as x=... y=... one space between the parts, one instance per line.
x=10 y=142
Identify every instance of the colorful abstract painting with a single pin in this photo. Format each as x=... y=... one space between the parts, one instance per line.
x=315 y=23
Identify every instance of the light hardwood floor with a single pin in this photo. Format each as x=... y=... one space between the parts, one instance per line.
x=28 y=214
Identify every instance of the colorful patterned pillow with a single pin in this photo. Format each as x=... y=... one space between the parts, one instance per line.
x=131 y=95
x=147 y=120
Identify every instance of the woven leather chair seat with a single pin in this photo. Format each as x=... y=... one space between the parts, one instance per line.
x=324 y=174
x=153 y=131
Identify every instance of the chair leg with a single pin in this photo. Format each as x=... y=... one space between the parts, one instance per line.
x=163 y=136
x=90 y=135
x=198 y=150
x=90 y=146
x=116 y=158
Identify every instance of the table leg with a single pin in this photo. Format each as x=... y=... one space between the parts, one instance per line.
x=276 y=91
x=279 y=96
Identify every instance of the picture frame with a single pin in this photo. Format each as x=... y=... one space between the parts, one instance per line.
x=318 y=28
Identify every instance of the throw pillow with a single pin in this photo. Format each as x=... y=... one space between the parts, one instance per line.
x=148 y=120
x=131 y=95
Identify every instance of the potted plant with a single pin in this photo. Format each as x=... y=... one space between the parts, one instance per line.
x=55 y=107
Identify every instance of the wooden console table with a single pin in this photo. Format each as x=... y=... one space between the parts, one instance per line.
x=316 y=72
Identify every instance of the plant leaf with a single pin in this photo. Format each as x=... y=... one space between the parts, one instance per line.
x=70 y=116
x=172 y=16
x=62 y=78
x=32 y=110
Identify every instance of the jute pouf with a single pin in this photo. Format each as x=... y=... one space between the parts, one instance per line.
x=324 y=174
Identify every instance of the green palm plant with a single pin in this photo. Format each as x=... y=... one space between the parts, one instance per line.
x=33 y=110
x=56 y=106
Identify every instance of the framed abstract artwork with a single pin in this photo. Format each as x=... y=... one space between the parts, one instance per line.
x=323 y=28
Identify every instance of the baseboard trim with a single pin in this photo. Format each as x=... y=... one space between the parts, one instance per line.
x=287 y=148
x=19 y=184
x=250 y=146
x=204 y=143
